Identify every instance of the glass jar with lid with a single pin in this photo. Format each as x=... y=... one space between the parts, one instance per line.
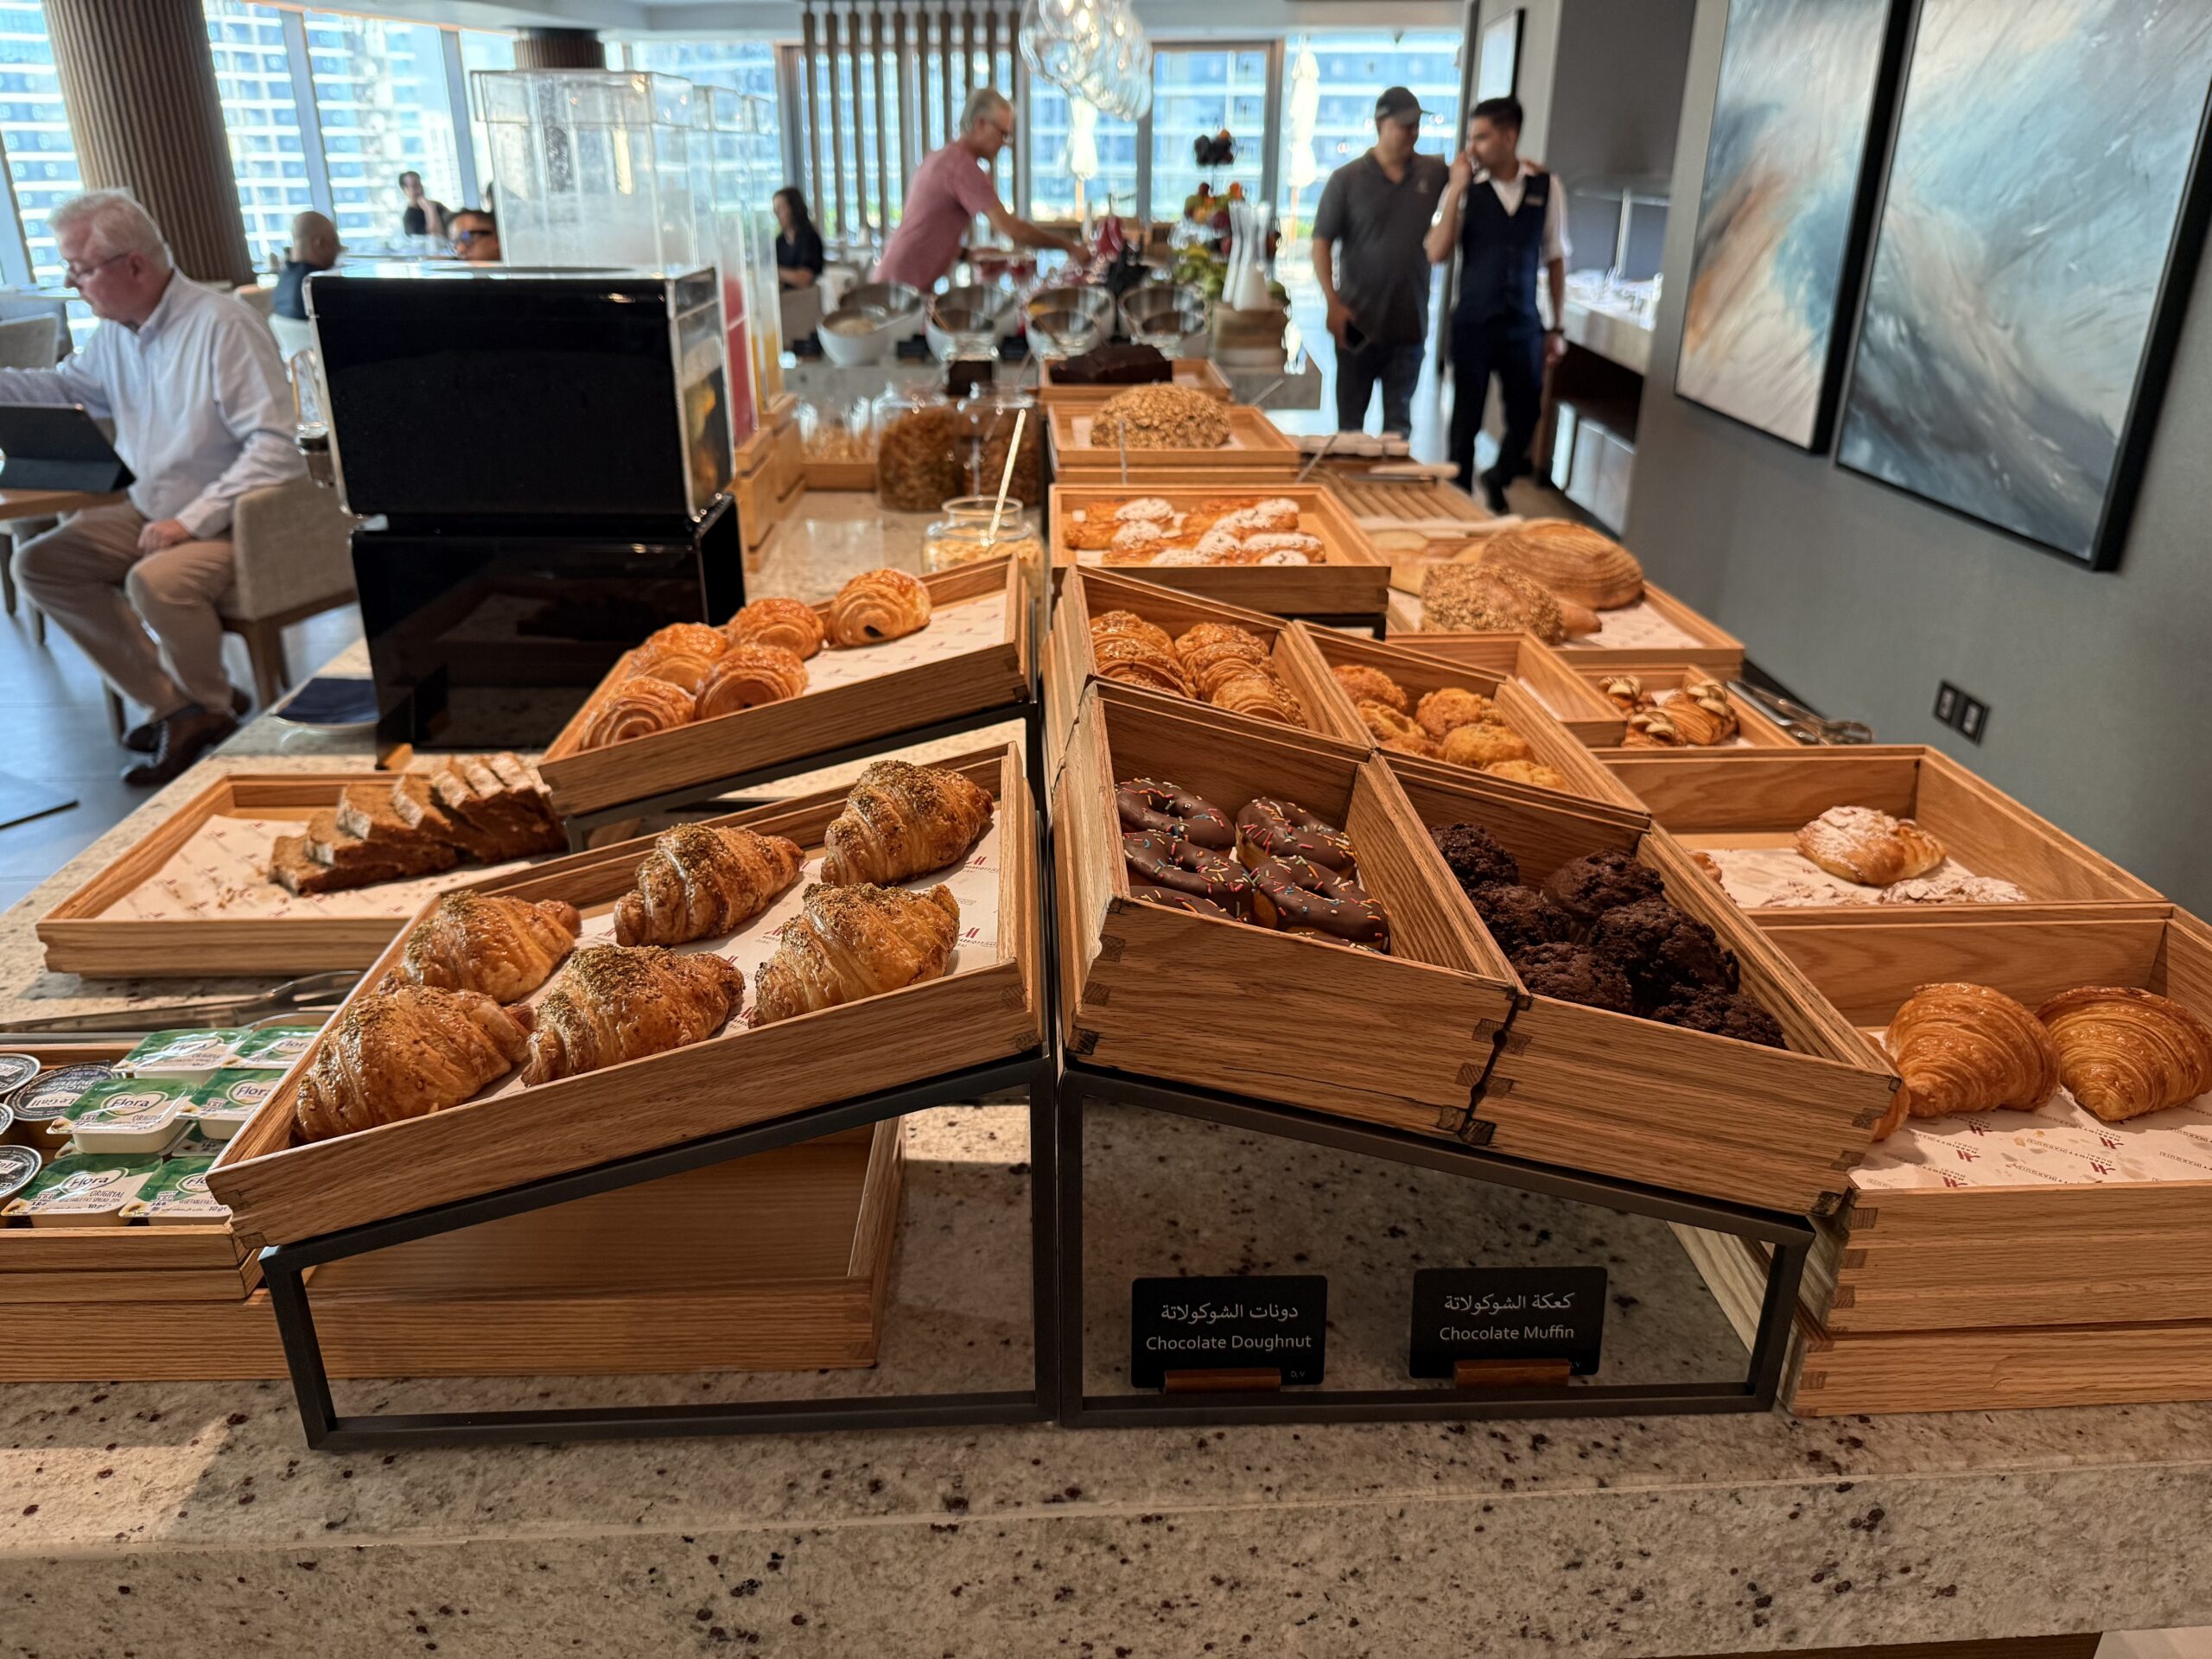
x=917 y=464
x=965 y=533
x=988 y=419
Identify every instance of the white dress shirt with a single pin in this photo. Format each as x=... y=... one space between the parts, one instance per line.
x=201 y=408
x=1510 y=191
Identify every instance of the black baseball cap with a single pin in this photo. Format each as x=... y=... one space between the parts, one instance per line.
x=1397 y=104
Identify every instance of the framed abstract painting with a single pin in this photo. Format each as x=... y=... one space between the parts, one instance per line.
x=1802 y=111
x=2038 y=238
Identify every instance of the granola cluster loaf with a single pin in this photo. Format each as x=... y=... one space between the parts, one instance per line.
x=1160 y=417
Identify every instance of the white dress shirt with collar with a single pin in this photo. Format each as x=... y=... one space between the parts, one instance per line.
x=197 y=392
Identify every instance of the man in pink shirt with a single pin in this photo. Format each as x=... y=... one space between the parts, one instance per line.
x=947 y=192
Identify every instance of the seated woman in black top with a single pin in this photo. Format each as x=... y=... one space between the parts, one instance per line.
x=799 y=244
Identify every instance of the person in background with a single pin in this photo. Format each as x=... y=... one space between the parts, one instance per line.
x=1504 y=232
x=315 y=247
x=948 y=189
x=799 y=244
x=476 y=236
x=1376 y=211
x=202 y=416
x=422 y=216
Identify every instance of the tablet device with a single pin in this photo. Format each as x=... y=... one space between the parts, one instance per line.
x=57 y=447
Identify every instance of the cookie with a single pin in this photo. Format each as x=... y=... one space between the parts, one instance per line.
x=1520 y=918
x=1662 y=950
x=1575 y=973
x=1475 y=857
x=1585 y=888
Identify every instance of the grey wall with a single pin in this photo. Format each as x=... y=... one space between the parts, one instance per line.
x=1861 y=598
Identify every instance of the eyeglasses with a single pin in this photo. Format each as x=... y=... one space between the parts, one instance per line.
x=462 y=238
x=74 y=275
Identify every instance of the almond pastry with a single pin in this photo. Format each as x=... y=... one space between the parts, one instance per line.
x=1860 y=844
x=2124 y=1052
x=1134 y=662
x=1703 y=714
x=1651 y=729
x=1967 y=1048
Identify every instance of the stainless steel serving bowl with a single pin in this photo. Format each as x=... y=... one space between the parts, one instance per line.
x=1063 y=321
x=1166 y=316
x=967 y=321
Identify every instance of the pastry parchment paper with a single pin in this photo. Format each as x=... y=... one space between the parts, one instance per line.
x=1753 y=875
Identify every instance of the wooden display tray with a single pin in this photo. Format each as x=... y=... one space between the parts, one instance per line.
x=1720 y=798
x=1087 y=592
x=1353 y=583
x=586 y=780
x=282 y=1189
x=1257 y=451
x=848 y=477
x=1191 y=373
x=783 y=1257
x=1716 y=650
x=1947 y=1258
x=1400 y=1039
x=767 y=475
x=1757 y=728
x=79 y=940
x=1618 y=1096
x=1420 y=674
x=2020 y=1367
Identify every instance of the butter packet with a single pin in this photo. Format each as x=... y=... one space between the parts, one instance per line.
x=82 y=1190
x=274 y=1047
x=181 y=1053
x=226 y=1102
x=176 y=1195
x=129 y=1114
x=19 y=1167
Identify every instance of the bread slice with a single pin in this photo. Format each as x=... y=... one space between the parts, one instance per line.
x=290 y=866
x=369 y=812
x=416 y=804
x=514 y=821
x=416 y=854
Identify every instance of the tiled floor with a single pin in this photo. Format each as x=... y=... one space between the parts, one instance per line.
x=54 y=729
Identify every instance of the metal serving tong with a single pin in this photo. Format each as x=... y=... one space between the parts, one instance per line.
x=1800 y=722
x=314 y=997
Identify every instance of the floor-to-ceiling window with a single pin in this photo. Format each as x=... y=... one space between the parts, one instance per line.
x=380 y=90
x=1069 y=142
x=1201 y=91
x=41 y=156
x=481 y=49
x=253 y=77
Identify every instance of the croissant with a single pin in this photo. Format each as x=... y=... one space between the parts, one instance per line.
x=505 y=948
x=1256 y=692
x=2123 y=1053
x=614 y=1002
x=406 y=1052
x=1127 y=624
x=636 y=707
x=1967 y=1048
x=680 y=653
x=1204 y=648
x=849 y=942
x=1129 y=661
x=878 y=605
x=749 y=675
x=701 y=879
x=1863 y=845
x=791 y=623
x=902 y=820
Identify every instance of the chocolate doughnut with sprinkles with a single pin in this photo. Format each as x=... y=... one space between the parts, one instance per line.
x=1176 y=898
x=1159 y=860
x=1268 y=828
x=1296 y=895
x=1152 y=804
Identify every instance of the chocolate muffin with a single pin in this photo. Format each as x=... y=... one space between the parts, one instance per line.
x=1574 y=973
x=1475 y=857
x=1726 y=1013
x=1520 y=917
x=1585 y=888
x=1660 y=950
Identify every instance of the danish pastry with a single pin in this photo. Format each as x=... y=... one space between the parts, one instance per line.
x=2123 y=1051
x=791 y=623
x=876 y=606
x=1702 y=715
x=1860 y=844
x=1967 y=1048
x=1651 y=729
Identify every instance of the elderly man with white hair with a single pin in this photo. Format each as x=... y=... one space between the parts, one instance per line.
x=949 y=190
x=202 y=414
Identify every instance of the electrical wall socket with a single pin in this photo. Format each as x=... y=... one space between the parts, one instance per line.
x=1948 y=699
x=1964 y=714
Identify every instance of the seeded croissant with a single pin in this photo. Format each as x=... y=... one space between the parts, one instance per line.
x=406 y=1052
x=505 y=948
x=849 y=942
x=614 y=1002
x=901 y=820
x=701 y=879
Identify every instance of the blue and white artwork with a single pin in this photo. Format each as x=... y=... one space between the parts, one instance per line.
x=2032 y=212
x=1798 y=80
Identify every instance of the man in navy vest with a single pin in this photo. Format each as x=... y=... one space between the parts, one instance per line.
x=1508 y=218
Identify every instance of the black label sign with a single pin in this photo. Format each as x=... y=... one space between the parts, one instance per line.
x=1223 y=1324
x=1507 y=1313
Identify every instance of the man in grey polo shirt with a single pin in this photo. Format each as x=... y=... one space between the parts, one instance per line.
x=1368 y=256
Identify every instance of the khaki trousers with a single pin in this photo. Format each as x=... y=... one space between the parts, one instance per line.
x=89 y=576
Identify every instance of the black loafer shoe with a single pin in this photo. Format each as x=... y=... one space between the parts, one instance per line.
x=184 y=737
x=147 y=738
